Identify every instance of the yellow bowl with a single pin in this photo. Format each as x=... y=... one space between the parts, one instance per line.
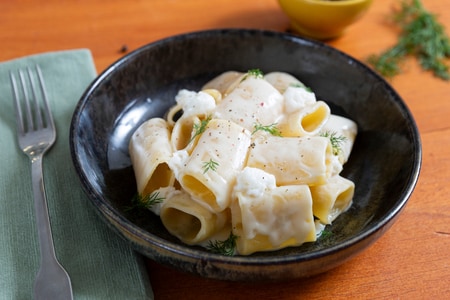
x=323 y=19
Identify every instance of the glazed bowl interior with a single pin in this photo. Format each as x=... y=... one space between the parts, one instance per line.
x=384 y=164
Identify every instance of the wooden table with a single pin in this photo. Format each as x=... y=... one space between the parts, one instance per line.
x=411 y=261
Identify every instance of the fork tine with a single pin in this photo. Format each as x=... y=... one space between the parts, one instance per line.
x=29 y=125
x=37 y=111
x=47 y=111
x=34 y=95
x=17 y=106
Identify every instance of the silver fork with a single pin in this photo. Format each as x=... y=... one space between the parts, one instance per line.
x=36 y=134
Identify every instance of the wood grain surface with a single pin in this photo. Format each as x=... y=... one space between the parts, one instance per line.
x=412 y=259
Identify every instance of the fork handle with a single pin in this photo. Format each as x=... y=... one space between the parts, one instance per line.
x=52 y=281
x=41 y=210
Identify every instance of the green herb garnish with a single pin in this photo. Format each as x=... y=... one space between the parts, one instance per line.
x=335 y=140
x=145 y=202
x=210 y=165
x=325 y=233
x=199 y=128
x=422 y=36
x=257 y=73
x=272 y=129
x=226 y=247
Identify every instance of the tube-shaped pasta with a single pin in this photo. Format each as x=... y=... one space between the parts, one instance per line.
x=183 y=133
x=192 y=104
x=172 y=114
x=253 y=101
x=255 y=156
x=225 y=82
x=293 y=160
x=199 y=104
x=160 y=195
x=189 y=220
x=332 y=198
x=216 y=94
x=210 y=171
x=306 y=121
x=296 y=98
x=281 y=81
x=342 y=127
x=280 y=217
x=150 y=151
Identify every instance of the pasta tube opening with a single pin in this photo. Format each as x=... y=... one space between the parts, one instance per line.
x=182 y=132
x=189 y=220
x=343 y=200
x=150 y=151
x=199 y=190
x=307 y=121
x=313 y=121
x=332 y=198
x=162 y=177
x=174 y=114
x=186 y=227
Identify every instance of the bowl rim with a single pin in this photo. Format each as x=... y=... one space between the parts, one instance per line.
x=106 y=209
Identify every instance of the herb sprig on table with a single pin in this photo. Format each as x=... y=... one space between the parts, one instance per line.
x=422 y=36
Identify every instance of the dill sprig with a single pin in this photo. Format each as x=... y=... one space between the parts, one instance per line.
x=199 y=128
x=422 y=36
x=226 y=247
x=272 y=129
x=257 y=73
x=145 y=202
x=210 y=165
x=326 y=233
x=335 y=140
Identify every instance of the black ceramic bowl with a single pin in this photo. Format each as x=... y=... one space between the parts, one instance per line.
x=384 y=164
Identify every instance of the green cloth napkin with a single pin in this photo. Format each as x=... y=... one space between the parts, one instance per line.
x=101 y=264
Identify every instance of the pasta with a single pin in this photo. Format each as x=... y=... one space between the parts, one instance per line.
x=332 y=198
x=343 y=127
x=274 y=218
x=223 y=143
x=253 y=100
x=151 y=152
x=188 y=220
x=309 y=164
x=306 y=121
x=250 y=159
